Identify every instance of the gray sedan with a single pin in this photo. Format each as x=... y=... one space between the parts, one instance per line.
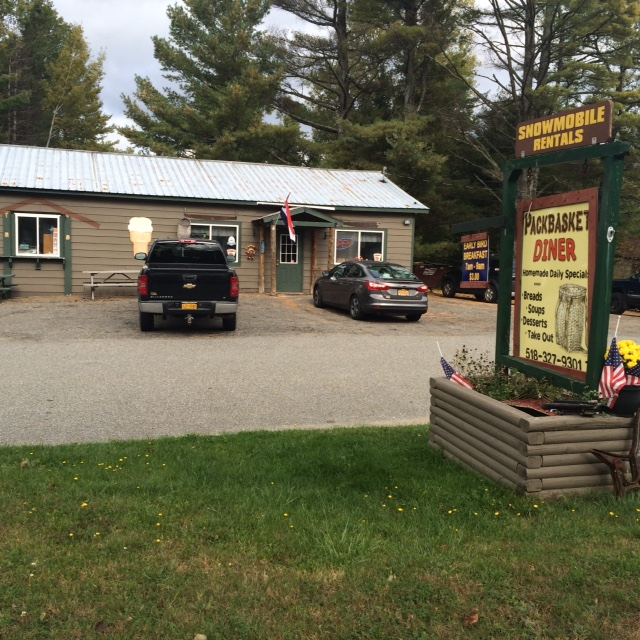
x=368 y=287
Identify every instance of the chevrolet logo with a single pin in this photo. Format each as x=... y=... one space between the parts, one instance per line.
x=188 y=286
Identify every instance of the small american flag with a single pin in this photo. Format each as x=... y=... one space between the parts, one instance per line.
x=453 y=375
x=613 y=376
x=633 y=376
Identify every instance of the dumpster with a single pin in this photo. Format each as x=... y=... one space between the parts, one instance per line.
x=430 y=272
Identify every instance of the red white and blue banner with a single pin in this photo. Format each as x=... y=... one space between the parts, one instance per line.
x=285 y=214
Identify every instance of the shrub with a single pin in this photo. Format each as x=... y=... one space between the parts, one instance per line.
x=505 y=383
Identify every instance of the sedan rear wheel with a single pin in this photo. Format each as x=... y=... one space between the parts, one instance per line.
x=317 y=298
x=413 y=317
x=355 y=309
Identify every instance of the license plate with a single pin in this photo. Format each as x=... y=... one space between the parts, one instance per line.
x=189 y=306
x=403 y=292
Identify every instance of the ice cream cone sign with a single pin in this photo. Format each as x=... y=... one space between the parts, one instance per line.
x=140 y=230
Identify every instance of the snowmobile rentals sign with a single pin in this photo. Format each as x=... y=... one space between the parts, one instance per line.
x=582 y=127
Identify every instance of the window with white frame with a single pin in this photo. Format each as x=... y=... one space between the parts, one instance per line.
x=37 y=235
x=359 y=245
x=226 y=234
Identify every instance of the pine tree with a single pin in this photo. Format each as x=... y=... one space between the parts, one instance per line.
x=71 y=95
x=221 y=88
x=33 y=37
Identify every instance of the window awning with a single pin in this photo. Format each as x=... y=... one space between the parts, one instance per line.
x=302 y=217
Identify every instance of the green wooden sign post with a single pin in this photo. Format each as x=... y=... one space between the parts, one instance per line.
x=612 y=156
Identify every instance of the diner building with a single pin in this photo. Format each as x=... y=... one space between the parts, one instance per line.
x=64 y=214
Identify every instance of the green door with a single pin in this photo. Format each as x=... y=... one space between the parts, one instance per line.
x=289 y=268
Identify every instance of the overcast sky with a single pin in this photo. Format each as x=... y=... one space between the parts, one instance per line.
x=123 y=30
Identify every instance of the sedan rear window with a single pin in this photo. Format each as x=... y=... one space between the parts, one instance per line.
x=392 y=272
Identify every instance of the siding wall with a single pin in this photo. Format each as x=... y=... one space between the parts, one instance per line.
x=109 y=247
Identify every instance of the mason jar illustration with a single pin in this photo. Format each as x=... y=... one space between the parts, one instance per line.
x=571 y=316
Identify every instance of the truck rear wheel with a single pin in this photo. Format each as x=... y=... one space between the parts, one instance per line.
x=617 y=304
x=146 y=321
x=448 y=289
x=491 y=294
x=229 y=323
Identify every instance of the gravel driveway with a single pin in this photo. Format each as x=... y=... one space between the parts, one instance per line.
x=76 y=370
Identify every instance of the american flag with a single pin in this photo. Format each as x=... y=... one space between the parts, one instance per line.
x=613 y=376
x=453 y=375
x=633 y=376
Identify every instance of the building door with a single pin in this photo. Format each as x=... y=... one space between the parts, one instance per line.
x=289 y=268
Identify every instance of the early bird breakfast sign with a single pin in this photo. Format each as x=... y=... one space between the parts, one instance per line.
x=588 y=125
x=555 y=257
x=475 y=260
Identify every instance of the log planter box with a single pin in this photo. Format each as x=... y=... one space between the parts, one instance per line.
x=539 y=456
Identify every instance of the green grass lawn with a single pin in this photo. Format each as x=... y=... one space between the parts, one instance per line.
x=346 y=533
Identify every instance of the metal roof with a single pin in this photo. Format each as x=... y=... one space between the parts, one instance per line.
x=89 y=172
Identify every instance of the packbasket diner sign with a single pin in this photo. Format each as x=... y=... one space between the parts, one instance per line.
x=585 y=126
x=555 y=257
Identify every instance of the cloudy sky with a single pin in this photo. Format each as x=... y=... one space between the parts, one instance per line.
x=123 y=30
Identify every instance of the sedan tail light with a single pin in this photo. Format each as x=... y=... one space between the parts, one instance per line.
x=235 y=287
x=423 y=288
x=143 y=285
x=377 y=286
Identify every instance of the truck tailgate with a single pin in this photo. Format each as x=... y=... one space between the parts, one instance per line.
x=184 y=282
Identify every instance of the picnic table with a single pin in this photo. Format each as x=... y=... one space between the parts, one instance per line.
x=113 y=278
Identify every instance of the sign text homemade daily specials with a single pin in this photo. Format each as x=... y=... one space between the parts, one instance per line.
x=475 y=260
x=588 y=125
x=556 y=260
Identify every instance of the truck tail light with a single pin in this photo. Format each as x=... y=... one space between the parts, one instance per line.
x=235 y=287
x=143 y=285
x=423 y=288
x=377 y=286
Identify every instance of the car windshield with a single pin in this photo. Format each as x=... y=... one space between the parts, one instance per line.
x=392 y=272
x=187 y=253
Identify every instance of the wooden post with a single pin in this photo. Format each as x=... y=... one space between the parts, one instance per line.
x=332 y=247
x=261 y=261
x=274 y=284
x=314 y=259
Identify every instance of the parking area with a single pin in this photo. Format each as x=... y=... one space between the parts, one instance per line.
x=76 y=370
x=77 y=317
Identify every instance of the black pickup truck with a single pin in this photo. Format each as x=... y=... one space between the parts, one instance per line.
x=625 y=294
x=188 y=279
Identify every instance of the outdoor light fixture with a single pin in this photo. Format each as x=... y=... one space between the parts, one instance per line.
x=407 y=222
